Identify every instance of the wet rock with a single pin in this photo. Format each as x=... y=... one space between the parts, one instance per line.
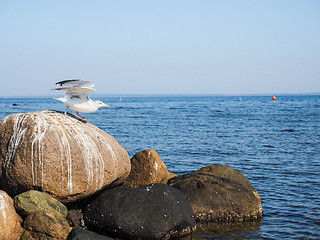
x=32 y=201
x=10 y=228
x=155 y=211
x=219 y=193
x=59 y=155
x=44 y=225
x=230 y=230
x=78 y=233
x=146 y=168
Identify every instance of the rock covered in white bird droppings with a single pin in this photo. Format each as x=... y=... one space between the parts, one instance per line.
x=58 y=154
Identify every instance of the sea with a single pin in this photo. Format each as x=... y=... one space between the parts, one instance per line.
x=274 y=143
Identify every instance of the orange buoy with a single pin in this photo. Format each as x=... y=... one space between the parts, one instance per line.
x=274 y=98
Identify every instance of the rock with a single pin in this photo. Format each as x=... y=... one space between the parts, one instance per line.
x=32 y=201
x=26 y=236
x=75 y=218
x=10 y=228
x=219 y=193
x=44 y=225
x=232 y=231
x=171 y=175
x=78 y=233
x=146 y=168
x=155 y=211
x=59 y=155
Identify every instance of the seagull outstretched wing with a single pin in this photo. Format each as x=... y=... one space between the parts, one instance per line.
x=76 y=96
x=76 y=83
x=76 y=89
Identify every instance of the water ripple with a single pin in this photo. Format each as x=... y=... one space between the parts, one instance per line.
x=276 y=144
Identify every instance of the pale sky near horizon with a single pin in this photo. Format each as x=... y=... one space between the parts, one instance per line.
x=161 y=47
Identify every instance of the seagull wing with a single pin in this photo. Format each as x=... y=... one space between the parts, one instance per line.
x=76 y=89
x=78 y=94
x=76 y=83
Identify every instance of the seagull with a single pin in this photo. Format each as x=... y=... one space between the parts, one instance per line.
x=76 y=96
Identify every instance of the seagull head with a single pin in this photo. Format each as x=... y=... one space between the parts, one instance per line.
x=101 y=104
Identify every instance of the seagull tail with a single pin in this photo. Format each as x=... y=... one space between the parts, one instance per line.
x=61 y=99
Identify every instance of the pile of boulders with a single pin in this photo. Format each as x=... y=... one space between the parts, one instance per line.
x=65 y=179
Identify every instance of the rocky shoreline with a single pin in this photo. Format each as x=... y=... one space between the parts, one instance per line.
x=65 y=179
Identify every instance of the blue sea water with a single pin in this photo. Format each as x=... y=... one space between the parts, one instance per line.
x=276 y=144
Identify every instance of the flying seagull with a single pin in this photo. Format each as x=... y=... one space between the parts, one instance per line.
x=76 y=96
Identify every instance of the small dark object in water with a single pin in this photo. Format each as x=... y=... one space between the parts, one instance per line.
x=15 y=104
x=287 y=130
x=268 y=146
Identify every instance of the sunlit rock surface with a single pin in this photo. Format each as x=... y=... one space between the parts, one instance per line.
x=10 y=228
x=219 y=193
x=146 y=168
x=34 y=201
x=58 y=154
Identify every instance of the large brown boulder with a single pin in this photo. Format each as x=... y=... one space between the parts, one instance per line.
x=58 y=154
x=219 y=193
x=146 y=168
x=10 y=228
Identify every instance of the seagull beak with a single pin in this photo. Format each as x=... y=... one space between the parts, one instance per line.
x=106 y=105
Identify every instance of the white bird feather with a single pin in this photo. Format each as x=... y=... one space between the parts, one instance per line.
x=76 y=96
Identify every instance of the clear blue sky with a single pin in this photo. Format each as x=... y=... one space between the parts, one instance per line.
x=161 y=47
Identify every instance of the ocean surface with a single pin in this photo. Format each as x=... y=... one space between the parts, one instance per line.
x=276 y=144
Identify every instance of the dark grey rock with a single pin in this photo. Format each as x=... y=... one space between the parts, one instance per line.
x=155 y=211
x=78 y=233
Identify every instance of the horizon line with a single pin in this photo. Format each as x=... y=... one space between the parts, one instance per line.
x=170 y=95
